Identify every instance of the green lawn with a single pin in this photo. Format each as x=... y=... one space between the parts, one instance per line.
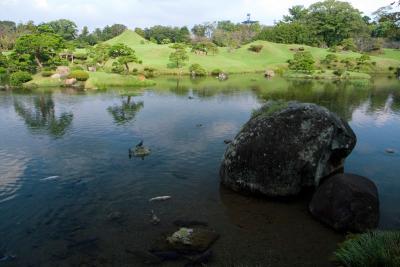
x=106 y=80
x=241 y=60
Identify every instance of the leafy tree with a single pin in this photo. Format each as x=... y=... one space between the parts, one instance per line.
x=140 y=31
x=42 y=46
x=65 y=28
x=179 y=56
x=296 y=14
x=302 y=61
x=349 y=45
x=333 y=21
x=124 y=55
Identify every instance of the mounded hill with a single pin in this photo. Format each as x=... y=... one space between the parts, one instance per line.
x=240 y=60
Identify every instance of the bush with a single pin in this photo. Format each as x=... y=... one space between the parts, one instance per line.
x=302 y=61
x=79 y=75
x=117 y=67
x=3 y=70
x=379 y=248
x=197 y=70
x=338 y=72
x=80 y=56
x=349 y=45
x=256 y=48
x=149 y=72
x=20 y=77
x=47 y=73
x=216 y=72
x=77 y=68
x=330 y=58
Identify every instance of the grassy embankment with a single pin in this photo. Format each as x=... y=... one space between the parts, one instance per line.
x=273 y=56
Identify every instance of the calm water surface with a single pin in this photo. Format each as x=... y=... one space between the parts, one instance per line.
x=93 y=208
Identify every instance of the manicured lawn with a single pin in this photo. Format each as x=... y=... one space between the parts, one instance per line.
x=106 y=80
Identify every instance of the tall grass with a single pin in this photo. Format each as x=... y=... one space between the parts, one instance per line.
x=374 y=249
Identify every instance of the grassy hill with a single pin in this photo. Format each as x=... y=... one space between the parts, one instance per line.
x=240 y=60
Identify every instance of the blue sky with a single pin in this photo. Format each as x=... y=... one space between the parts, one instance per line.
x=143 y=13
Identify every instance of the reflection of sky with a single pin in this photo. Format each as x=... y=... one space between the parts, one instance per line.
x=362 y=116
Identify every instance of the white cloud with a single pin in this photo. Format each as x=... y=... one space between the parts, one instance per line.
x=98 y=13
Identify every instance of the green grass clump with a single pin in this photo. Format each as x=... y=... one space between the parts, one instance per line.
x=47 y=73
x=270 y=108
x=374 y=249
x=102 y=80
x=20 y=77
x=79 y=75
x=197 y=70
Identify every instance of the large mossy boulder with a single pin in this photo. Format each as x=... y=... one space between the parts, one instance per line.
x=286 y=147
x=347 y=202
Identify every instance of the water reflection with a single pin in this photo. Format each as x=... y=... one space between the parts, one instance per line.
x=125 y=112
x=39 y=114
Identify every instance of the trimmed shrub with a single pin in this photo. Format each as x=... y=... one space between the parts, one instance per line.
x=77 y=68
x=256 y=48
x=79 y=75
x=378 y=248
x=3 y=70
x=197 y=70
x=20 y=77
x=47 y=73
x=80 y=56
x=338 y=72
x=302 y=61
x=216 y=72
x=149 y=72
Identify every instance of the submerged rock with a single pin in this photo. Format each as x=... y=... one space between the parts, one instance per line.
x=390 y=151
x=186 y=241
x=286 y=147
x=139 y=152
x=347 y=202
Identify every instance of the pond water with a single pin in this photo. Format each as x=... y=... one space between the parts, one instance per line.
x=71 y=196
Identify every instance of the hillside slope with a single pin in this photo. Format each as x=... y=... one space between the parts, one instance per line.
x=238 y=61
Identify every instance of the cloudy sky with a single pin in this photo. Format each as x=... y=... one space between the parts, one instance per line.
x=143 y=13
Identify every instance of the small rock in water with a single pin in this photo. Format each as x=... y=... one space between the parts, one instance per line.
x=199 y=125
x=161 y=198
x=114 y=216
x=154 y=219
x=227 y=141
x=139 y=152
x=190 y=97
x=390 y=151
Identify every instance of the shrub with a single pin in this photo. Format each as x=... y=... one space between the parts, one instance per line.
x=379 y=248
x=20 y=77
x=117 y=67
x=349 y=45
x=79 y=75
x=148 y=72
x=302 y=61
x=47 y=73
x=391 y=68
x=80 y=56
x=338 y=72
x=197 y=70
x=3 y=70
x=330 y=58
x=216 y=72
x=256 y=48
x=363 y=58
x=77 y=68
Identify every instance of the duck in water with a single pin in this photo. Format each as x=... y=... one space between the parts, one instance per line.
x=139 y=151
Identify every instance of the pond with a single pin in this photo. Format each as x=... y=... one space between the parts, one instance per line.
x=70 y=195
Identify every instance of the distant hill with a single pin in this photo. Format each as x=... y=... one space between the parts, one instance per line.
x=240 y=60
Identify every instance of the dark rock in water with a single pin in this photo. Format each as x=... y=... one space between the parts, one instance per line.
x=190 y=97
x=227 y=141
x=114 y=216
x=186 y=240
x=199 y=259
x=286 y=147
x=347 y=202
x=199 y=125
x=189 y=223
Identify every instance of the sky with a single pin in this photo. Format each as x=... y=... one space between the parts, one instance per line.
x=145 y=13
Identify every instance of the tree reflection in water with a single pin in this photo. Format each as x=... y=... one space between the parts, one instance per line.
x=39 y=115
x=125 y=112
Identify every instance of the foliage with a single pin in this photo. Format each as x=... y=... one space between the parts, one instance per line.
x=41 y=46
x=149 y=72
x=205 y=47
x=348 y=45
x=338 y=72
x=379 y=248
x=80 y=56
x=197 y=70
x=124 y=56
x=178 y=57
x=162 y=34
x=216 y=72
x=99 y=54
x=329 y=59
x=47 y=73
x=117 y=67
x=20 y=77
x=79 y=75
x=302 y=61
x=256 y=48
x=65 y=28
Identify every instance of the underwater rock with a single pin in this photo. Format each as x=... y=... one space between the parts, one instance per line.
x=154 y=219
x=390 y=151
x=347 y=202
x=227 y=141
x=186 y=241
x=139 y=152
x=114 y=216
x=286 y=147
